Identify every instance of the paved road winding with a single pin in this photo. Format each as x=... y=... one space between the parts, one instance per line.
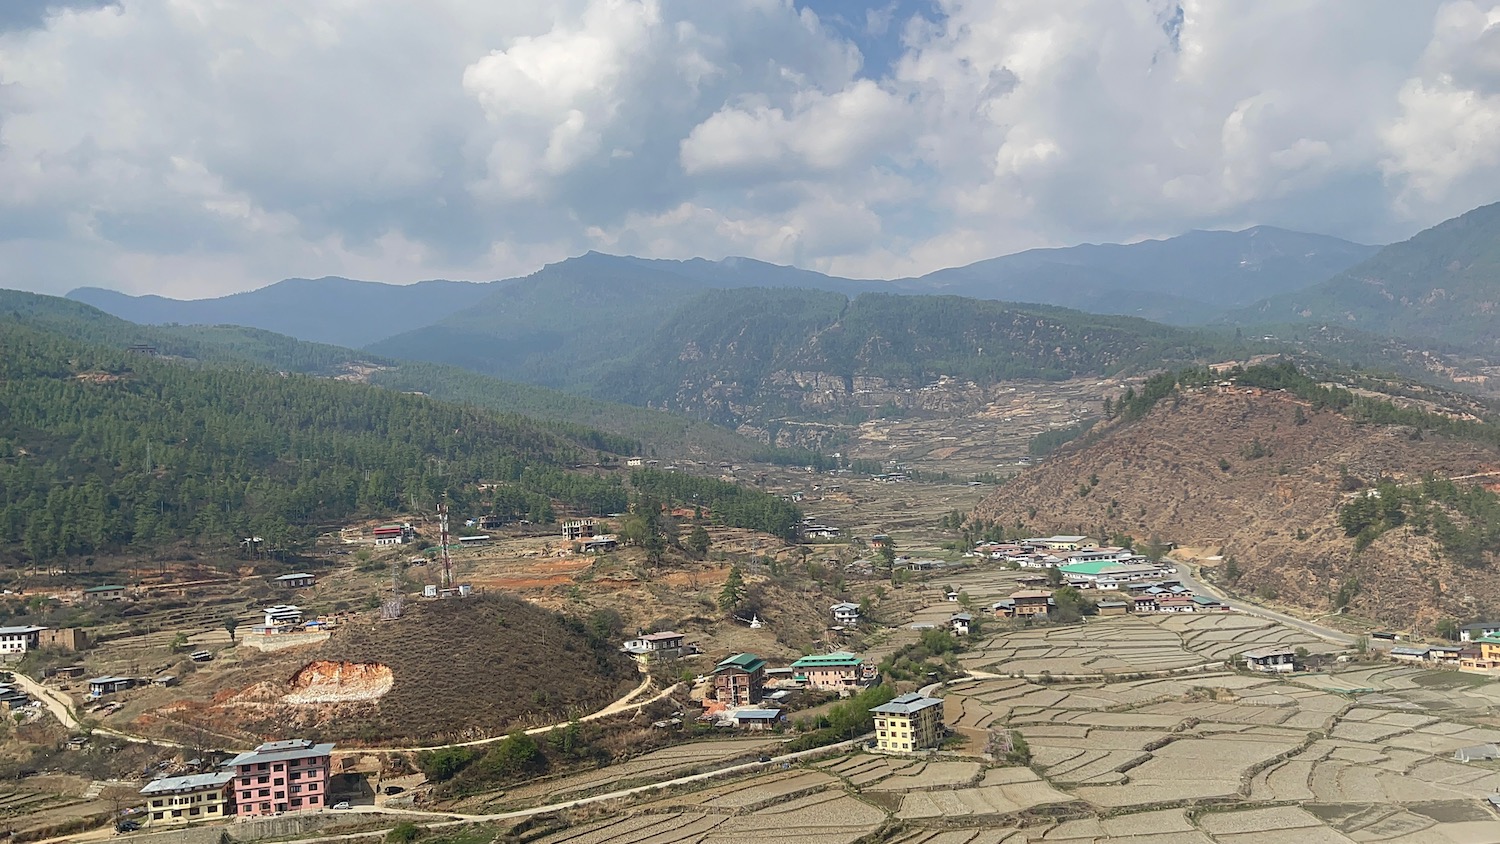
x=1190 y=579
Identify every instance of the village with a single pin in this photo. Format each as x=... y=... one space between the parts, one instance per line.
x=1033 y=681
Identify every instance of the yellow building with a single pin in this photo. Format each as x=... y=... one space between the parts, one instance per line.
x=909 y=722
x=178 y=801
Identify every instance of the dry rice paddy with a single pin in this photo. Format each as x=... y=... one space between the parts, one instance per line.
x=1181 y=752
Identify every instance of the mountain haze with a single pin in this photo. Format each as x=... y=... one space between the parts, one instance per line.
x=1442 y=285
x=339 y=311
x=1187 y=279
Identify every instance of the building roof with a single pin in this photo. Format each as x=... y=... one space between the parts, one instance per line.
x=297 y=576
x=1030 y=593
x=960 y=616
x=20 y=631
x=1488 y=640
x=757 y=714
x=1003 y=602
x=661 y=637
x=1477 y=751
x=109 y=588
x=1421 y=651
x=1263 y=653
x=837 y=659
x=845 y=605
x=192 y=782
x=744 y=662
x=280 y=751
x=1094 y=568
x=1482 y=625
x=1102 y=604
x=907 y=704
x=1204 y=599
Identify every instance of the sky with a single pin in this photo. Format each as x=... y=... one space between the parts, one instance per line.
x=194 y=148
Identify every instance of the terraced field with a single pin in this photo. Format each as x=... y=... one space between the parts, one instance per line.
x=1136 y=732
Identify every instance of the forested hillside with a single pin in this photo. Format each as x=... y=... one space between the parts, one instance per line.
x=733 y=355
x=631 y=428
x=103 y=449
x=1442 y=285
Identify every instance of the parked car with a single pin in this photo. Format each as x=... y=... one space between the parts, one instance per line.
x=342 y=804
x=127 y=826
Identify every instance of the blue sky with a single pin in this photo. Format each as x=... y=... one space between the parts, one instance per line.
x=199 y=147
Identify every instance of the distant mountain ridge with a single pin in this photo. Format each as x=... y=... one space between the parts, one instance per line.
x=1443 y=285
x=338 y=311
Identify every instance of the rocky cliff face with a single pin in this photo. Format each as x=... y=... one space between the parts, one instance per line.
x=1247 y=472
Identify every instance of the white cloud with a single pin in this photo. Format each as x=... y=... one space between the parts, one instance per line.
x=209 y=145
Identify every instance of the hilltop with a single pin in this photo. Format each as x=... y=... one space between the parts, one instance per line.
x=1263 y=475
x=1441 y=286
x=445 y=671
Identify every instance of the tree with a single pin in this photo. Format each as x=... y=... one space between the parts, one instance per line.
x=1231 y=571
x=1072 y=604
x=734 y=590
x=1054 y=576
x=1448 y=629
x=231 y=624
x=698 y=542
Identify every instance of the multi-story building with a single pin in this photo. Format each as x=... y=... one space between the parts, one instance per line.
x=281 y=776
x=909 y=722
x=837 y=671
x=19 y=640
x=176 y=801
x=738 y=680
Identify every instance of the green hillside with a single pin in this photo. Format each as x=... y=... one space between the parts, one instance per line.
x=630 y=428
x=103 y=449
x=1442 y=285
x=720 y=352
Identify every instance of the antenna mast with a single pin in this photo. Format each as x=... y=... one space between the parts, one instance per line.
x=443 y=539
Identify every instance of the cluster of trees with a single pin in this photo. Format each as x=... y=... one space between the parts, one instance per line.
x=844 y=720
x=727 y=503
x=1047 y=442
x=101 y=450
x=1471 y=539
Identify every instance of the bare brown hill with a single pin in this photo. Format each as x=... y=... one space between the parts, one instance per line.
x=445 y=671
x=1262 y=475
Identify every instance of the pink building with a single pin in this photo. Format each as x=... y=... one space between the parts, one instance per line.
x=281 y=776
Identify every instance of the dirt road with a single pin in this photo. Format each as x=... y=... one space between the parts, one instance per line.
x=1189 y=578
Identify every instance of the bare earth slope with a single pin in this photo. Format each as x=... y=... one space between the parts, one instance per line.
x=1162 y=475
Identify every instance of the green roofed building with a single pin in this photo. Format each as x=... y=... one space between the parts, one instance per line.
x=739 y=680
x=839 y=670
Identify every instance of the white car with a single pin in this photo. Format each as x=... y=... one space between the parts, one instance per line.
x=342 y=804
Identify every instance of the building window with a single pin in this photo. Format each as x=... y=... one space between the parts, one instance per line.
x=156 y=816
x=279 y=781
x=244 y=795
x=313 y=800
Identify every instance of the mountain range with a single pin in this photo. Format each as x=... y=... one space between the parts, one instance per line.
x=738 y=340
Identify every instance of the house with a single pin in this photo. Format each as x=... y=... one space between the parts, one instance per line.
x=1272 y=660
x=1204 y=603
x=1112 y=607
x=600 y=544
x=644 y=648
x=960 y=622
x=1032 y=602
x=1489 y=649
x=101 y=686
x=1478 y=630
x=578 y=529
x=1143 y=603
x=1477 y=753
x=63 y=639
x=757 y=719
x=281 y=617
x=476 y=539
x=394 y=534
x=1444 y=655
x=820 y=532
x=634 y=462
x=845 y=613
x=880 y=540
x=178 y=801
x=838 y=671
x=951 y=596
x=281 y=776
x=201 y=656
x=909 y=722
x=300 y=580
x=1420 y=653
x=19 y=640
x=739 y=680
x=1061 y=543
x=104 y=593
x=1004 y=608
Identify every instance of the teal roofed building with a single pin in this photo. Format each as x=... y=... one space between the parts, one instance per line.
x=837 y=671
x=739 y=680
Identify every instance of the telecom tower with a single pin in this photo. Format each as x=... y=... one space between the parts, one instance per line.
x=447 y=582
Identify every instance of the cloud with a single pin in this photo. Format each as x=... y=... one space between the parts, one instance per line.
x=197 y=147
